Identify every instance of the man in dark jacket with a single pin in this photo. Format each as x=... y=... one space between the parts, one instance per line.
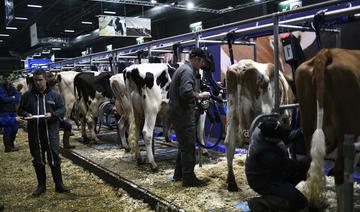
x=43 y=108
x=9 y=97
x=182 y=114
x=271 y=173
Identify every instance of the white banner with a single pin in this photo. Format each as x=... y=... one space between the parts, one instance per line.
x=9 y=11
x=124 y=26
x=33 y=35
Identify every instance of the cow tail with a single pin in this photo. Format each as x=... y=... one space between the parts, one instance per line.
x=76 y=85
x=316 y=177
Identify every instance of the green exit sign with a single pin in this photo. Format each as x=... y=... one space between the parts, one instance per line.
x=196 y=27
x=140 y=40
x=289 y=5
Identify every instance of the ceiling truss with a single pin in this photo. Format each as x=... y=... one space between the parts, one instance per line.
x=184 y=7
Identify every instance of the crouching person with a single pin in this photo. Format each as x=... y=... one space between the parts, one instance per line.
x=43 y=132
x=271 y=173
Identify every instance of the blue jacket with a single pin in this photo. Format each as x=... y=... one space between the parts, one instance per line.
x=9 y=97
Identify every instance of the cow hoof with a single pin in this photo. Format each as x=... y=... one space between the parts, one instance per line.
x=232 y=187
x=140 y=161
x=86 y=140
x=205 y=153
x=154 y=168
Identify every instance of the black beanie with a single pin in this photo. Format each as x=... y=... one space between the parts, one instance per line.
x=271 y=128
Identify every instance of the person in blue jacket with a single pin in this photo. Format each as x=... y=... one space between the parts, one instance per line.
x=44 y=108
x=9 y=98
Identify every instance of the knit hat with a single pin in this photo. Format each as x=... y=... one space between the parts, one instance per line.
x=271 y=128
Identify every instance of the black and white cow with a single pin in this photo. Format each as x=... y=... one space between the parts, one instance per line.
x=141 y=95
x=91 y=89
x=147 y=86
x=63 y=82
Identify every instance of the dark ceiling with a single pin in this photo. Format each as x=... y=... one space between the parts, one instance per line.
x=57 y=15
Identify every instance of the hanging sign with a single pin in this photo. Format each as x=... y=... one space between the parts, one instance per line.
x=9 y=11
x=124 y=26
x=33 y=35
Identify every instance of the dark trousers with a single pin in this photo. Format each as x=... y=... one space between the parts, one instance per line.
x=185 y=130
x=38 y=147
x=284 y=188
x=8 y=122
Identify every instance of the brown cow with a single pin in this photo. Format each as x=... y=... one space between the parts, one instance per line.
x=250 y=87
x=328 y=88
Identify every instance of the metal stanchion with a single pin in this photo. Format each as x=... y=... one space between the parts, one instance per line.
x=348 y=195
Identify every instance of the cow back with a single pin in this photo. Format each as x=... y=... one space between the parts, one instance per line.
x=87 y=84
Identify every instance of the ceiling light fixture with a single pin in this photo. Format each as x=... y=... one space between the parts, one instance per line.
x=13 y=28
x=4 y=35
x=153 y=1
x=1 y=41
x=190 y=5
x=109 y=12
x=56 y=48
x=21 y=18
x=34 y=5
x=86 y=22
x=69 y=30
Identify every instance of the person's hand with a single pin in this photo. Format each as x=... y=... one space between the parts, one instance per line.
x=204 y=95
x=28 y=115
x=47 y=115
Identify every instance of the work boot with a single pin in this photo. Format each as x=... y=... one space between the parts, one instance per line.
x=11 y=143
x=66 y=140
x=177 y=174
x=6 y=140
x=59 y=186
x=190 y=180
x=41 y=178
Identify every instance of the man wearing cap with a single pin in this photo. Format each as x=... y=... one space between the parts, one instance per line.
x=183 y=97
x=271 y=173
x=9 y=97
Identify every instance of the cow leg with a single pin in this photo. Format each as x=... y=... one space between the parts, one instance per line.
x=92 y=121
x=134 y=131
x=150 y=119
x=232 y=136
x=167 y=129
x=200 y=133
x=83 y=130
x=122 y=133
x=230 y=151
